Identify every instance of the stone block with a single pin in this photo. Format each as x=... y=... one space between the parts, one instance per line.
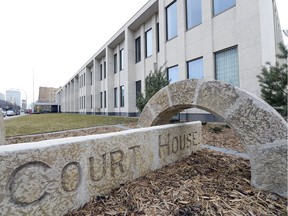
x=54 y=176
x=269 y=167
x=257 y=123
x=183 y=93
x=2 y=130
x=216 y=97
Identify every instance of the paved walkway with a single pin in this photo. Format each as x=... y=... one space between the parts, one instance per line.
x=226 y=151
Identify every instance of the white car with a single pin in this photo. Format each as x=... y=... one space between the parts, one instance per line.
x=3 y=112
x=10 y=113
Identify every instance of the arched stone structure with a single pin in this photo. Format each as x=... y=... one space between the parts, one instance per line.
x=262 y=130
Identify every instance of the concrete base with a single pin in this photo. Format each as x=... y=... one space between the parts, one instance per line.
x=269 y=167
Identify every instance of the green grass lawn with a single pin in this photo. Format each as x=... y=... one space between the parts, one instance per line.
x=43 y=123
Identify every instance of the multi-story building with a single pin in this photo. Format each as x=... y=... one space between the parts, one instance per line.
x=226 y=40
x=47 y=94
x=14 y=97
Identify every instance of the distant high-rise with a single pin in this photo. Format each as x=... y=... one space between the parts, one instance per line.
x=47 y=94
x=2 y=96
x=14 y=97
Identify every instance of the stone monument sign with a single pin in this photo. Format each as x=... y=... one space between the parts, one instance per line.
x=262 y=130
x=51 y=177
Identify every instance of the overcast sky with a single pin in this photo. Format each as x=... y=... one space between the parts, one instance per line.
x=54 y=38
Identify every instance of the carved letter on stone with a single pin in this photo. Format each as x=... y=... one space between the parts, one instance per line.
x=93 y=168
x=71 y=176
x=175 y=141
x=25 y=185
x=134 y=156
x=163 y=145
x=116 y=159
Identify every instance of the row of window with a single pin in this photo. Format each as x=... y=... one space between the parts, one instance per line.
x=82 y=80
x=103 y=69
x=148 y=44
x=103 y=98
x=193 y=14
x=226 y=68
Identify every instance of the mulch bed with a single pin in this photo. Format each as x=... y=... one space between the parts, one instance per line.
x=206 y=183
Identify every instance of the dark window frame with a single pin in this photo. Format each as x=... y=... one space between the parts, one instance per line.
x=166 y=20
x=167 y=72
x=101 y=68
x=186 y=16
x=122 y=94
x=187 y=65
x=138 y=49
x=105 y=68
x=213 y=10
x=121 y=59
x=137 y=89
x=115 y=63
x=146 y=43
x=115 y=97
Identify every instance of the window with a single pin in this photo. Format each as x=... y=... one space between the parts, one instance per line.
x=148 y=43
x=157 y=37
x=115 y=97
x=104 y=70
x=80 y=102
x=115 y=63
x=138 y=88
x=101 y=68
x=138 y=50
x=172 y=74
x=171 y=21
x=101 y=99
x=84 y=103
x=220 y=6
x=122 y=96
x=195 y=69
x=91 y=81
x=84 y=79
x=91 y=101
x=226 y=66
x=121 y=59
x=105 y=99
x=193 y=13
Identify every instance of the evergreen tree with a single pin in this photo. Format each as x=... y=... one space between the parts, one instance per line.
x=273 y=83
x=153 y=83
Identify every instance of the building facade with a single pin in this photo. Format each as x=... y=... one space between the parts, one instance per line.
x=47 y=94
x=216 y=39
x=14 y=97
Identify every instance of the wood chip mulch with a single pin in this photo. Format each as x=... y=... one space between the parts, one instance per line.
x=221 y=135
x=206 y=183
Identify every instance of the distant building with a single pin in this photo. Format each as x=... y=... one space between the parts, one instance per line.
x=24 y=104
x=47 y=94
x=14 y=97
x=2 y=96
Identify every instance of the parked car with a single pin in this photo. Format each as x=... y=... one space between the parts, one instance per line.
x=10 y=113
x=3 y=112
